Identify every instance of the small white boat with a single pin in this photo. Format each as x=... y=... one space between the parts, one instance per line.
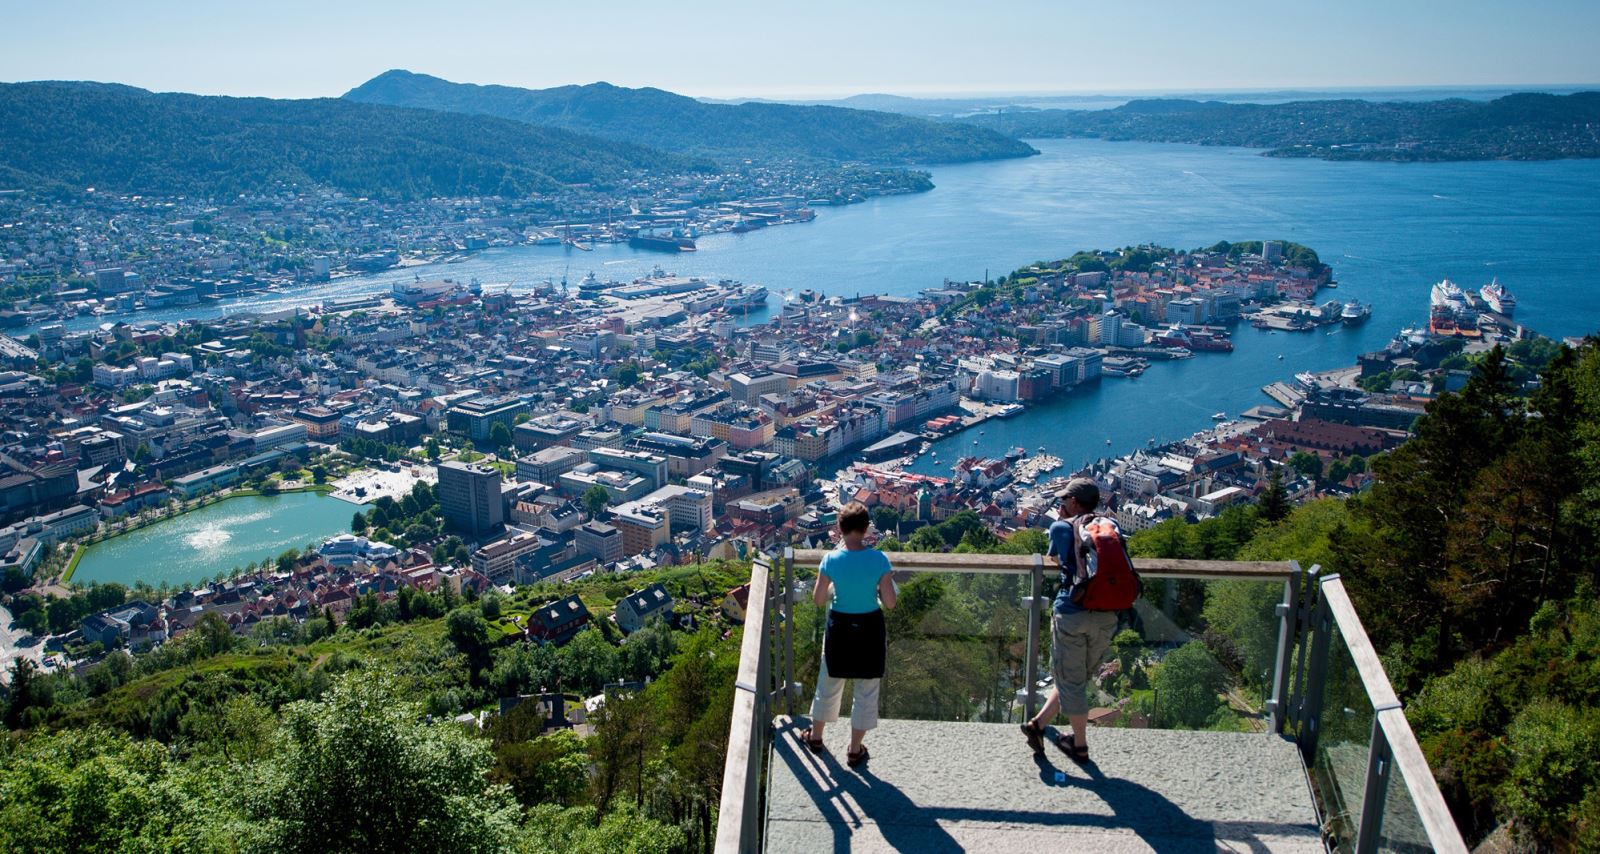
x=1219 y=416
x=1280 y=357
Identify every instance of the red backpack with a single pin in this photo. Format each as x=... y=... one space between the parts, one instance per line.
x=1107 y=580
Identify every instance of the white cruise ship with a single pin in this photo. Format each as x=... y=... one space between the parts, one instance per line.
x=1499 y=299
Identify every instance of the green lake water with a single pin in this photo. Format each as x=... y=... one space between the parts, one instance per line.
x=219 y=537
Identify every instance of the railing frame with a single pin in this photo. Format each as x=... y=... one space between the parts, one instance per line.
x=1313 y=607
x=1393 y=743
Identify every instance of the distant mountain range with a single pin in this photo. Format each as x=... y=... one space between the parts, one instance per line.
x=77 y=135
x=1515 y=127
x=674 y=123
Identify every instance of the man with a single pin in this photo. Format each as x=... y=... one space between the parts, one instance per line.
x=1079 y=636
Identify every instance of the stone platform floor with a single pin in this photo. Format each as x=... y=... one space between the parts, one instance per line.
x=934 y=786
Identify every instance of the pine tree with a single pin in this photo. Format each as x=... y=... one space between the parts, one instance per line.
x=1274 y=503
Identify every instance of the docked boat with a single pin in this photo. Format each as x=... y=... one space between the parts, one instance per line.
x=1179 y=335
x=1448 y=294
x=746 y=299
x=662 y=243
x=1354 y=313
x=1499 y=300
x=1219 y=416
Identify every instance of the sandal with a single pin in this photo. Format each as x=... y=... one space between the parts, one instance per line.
x=854 y=759
x=1068 y=745
x=811 y=742
x=1035 y=735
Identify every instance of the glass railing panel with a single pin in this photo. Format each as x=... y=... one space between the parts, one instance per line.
x=956 y=648
x=1402 y=831
x=1339 y=772
x=1192 y=655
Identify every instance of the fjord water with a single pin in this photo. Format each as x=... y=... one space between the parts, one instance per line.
x=1389 y=230
x=218 y=537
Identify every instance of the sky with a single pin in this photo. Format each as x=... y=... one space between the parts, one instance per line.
x=814 y=49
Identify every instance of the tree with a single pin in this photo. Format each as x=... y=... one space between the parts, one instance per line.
x=361 y=770
x=1188 y=684
x=319 y=473
x=431 y=448
x=1307 y=464
x=288 y=559
x=500 y=435
x=926 y=539
x=595 y=501
x=626 y=374
x=467 y=629
x=1274 y=504
x=588 y=661
x=358 y=522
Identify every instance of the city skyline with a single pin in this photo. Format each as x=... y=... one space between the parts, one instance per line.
x=297 y=50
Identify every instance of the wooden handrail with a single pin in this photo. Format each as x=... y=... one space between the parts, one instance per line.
x=1023 y=564
x=739 y=811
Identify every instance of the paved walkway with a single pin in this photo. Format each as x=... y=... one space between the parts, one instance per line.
x=933 y=786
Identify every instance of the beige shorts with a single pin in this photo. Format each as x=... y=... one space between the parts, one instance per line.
x=1079 y=641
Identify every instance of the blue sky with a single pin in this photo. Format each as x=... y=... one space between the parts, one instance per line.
x=292 y=48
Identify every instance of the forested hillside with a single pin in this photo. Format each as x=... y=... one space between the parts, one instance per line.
x=670 y=122
x=74 y=136
x=337 y=737
x=1473 y=561
x=1517 y=127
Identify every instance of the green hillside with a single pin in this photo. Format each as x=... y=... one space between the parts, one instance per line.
x=670 y=122
x=72 y=136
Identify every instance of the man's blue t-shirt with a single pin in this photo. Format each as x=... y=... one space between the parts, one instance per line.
x=855 y=577
x=1063 y=548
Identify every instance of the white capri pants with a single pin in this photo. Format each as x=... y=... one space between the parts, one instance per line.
x=830 y=693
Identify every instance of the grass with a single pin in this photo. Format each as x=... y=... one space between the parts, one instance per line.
x=72 y=565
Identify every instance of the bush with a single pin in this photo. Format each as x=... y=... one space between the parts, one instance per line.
x=1554 y=767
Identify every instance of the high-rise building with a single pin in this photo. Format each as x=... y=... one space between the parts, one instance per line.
x=469 y=497
x=599 y=541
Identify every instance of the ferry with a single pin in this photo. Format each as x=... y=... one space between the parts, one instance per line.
x=746 y=299
x=1499 y=299
x=1193 y=339
x=659 y=243
x=1354 y=313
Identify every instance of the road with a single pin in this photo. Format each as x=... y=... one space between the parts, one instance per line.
x=10 y=648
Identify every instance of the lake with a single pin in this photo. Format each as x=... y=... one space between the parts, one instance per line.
x=215 y=538
x=1390 y=230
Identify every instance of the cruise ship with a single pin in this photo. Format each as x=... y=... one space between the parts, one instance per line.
x=1354 y=313
x=1499 y=299
x=746 y=299
x=1446 y=293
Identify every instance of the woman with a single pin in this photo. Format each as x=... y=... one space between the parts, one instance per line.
x=855 y=581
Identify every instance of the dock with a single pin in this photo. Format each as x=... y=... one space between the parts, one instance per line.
x=1284 y=394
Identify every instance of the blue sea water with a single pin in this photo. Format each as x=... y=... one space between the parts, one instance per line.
x=1389 y=230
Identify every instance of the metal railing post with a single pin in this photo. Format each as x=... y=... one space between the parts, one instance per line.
x=1380 y=762
x=1316 y=675
x=1031 y=669
x=1303 y=610
x=1288 y=628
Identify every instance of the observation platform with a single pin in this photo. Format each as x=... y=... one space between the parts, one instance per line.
x=933 y=786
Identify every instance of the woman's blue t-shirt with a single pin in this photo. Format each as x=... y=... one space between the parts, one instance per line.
x=855 y=577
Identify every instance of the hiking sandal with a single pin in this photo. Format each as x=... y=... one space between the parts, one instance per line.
x=1069 y=746
x=1035 y=735
x=811 y=742
x=854 y=759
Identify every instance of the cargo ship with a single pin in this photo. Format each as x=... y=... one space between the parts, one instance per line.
x=1354 y=313
x=660 y=243
x=1193 y=339
x=746 y=299
x=1499 y=299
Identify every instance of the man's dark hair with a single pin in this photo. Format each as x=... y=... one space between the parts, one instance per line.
x=853 y=518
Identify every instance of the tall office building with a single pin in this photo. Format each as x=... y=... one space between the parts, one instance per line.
x=469 y=497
